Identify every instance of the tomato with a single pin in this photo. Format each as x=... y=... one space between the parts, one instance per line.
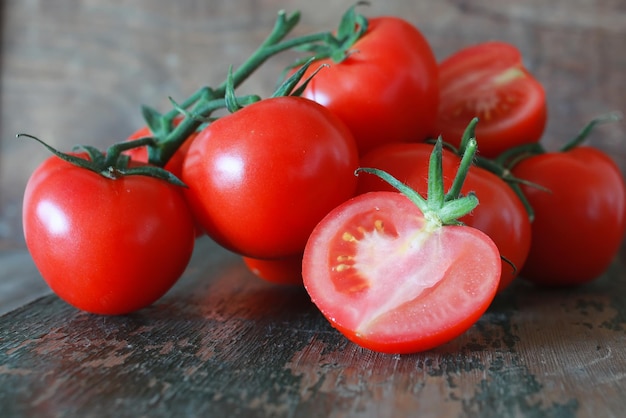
x=500 y=213
x=489 y=81
x=106 y=246
x=390 y=281
x=287 y=270
x=386 y=89
x=262 y=177
x=580 y=220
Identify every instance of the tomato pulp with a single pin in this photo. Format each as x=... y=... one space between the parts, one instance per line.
x=500 y=213
x=490 y=81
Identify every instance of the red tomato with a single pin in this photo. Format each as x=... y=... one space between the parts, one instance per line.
x=390 y=282
x=580 y=223
x=106 y=246
x=262 y=177
x=489 y=81
x=386 y=89
x=500 y=213
x=286 y=270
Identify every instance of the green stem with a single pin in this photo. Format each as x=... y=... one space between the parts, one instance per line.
x=466 y=162
x=206 y=101
x=440 y=212
x=584 y=133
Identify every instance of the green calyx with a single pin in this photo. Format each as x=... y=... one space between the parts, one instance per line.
x=113 y=164
x=339 y=46
x=439 y=208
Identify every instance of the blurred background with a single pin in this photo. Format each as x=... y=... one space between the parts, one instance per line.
x=77 y=71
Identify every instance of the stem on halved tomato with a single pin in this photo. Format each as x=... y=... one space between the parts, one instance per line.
x=439 y=208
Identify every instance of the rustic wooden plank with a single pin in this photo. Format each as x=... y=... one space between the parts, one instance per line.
x=225 y=343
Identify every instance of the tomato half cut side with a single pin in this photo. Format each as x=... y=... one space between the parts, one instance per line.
x=391 y=283
x=490 y=81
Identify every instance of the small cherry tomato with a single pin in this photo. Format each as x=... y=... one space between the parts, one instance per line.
x=390 y=282
x=395 y=272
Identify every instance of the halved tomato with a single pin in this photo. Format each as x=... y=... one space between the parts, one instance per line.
x=490 y=81
x=393 y=282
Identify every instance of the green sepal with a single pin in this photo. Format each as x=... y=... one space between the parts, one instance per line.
x=113 y=164
x=154 y=119
x=584 y=133
x=337 y=48
x=231 y=100
x=154 y=172
x=440 y=212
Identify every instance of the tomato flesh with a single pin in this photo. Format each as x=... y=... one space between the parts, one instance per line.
x=500 y=213
x=489 y=81
x=391 y=282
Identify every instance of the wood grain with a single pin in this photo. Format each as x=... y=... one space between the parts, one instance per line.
x=224 y=343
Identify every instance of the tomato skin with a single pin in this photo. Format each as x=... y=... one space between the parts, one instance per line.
x=284 y=271
x=261 y=178
x=500 y=213
x=386 y=89
x=580 y=224
x=489 y=81
x=105 y=246
x=390 y=285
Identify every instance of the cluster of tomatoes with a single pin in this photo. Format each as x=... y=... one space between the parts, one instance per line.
x=402 y=257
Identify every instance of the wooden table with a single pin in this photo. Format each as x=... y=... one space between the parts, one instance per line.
x=224 y=343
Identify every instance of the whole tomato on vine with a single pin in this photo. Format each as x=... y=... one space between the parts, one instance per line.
x=109 y=236
x=261 y=178
x=381 y=80
x=580 y=212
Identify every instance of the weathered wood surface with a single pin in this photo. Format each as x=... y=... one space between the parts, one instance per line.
x=223 y=343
